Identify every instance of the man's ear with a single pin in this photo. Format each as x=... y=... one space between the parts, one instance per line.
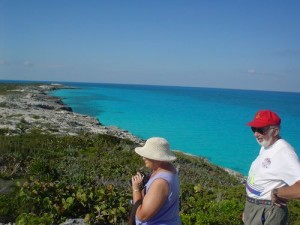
x=275 y=131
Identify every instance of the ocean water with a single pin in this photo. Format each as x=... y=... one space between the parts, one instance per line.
x=206 y=122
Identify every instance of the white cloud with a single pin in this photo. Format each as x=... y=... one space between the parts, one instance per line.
x=30 y=64
x=258 y=73
x=27 y=63
x=251 y=71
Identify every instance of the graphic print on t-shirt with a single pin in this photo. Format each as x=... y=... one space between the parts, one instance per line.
x=251 y=187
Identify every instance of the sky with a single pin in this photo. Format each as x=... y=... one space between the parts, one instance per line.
x=235 y=44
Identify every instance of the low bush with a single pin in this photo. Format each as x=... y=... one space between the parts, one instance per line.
x=87 y=176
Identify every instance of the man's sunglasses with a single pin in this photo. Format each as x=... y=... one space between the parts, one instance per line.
x=261 y=130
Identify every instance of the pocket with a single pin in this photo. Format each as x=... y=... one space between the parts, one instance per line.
x=254 y=214
x=275 y=215
x=258 y=217
x=267 y=214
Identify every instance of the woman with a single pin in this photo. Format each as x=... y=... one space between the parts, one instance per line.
x=159 y=202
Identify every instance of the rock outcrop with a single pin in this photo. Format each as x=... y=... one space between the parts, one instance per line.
x=32 y=108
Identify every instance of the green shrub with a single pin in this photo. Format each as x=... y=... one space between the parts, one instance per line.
x=8 y=207
x=100 y=205
x=87 y=176
x=31 y=219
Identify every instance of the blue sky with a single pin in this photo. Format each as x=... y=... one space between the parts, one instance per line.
x=222 y=43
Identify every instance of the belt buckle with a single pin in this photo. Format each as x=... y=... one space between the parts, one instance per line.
x=264 y=202
x=259 y=201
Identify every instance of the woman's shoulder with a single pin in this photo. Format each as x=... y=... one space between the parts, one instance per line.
x=166 y=175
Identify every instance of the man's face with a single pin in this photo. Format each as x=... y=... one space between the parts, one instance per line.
x=264 y=136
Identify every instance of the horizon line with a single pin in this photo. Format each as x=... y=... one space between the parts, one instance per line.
x=141 y=84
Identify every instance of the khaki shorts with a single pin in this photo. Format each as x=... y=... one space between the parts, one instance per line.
x=265 y=214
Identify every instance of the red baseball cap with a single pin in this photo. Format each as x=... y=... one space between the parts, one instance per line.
x=265 y=118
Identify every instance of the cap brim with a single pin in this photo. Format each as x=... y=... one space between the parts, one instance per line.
x=257 y=124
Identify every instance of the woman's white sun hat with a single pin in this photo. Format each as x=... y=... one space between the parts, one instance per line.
x=156 y=148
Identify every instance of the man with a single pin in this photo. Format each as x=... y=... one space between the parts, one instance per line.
x=274 y=176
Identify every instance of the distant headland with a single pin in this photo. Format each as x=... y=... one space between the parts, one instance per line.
x=29 y=106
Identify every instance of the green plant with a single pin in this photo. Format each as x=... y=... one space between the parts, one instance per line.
x=86 y=176
x=31 y=219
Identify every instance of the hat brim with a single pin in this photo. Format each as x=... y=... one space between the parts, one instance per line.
x=144 y=153
x=260 y=124
x=257 y=124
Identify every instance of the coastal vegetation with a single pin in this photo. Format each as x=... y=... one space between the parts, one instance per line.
x=47 y=177
x=87 y=176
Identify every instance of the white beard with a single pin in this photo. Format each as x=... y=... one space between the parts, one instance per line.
x=267 y=143
x=264 y=143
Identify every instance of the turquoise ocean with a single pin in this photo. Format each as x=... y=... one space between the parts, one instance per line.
x=206 y=122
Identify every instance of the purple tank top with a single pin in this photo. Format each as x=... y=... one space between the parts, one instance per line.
x=169 y=212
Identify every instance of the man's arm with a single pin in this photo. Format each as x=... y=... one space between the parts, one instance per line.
x=286 y=193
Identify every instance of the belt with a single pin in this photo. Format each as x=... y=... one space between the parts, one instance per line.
x=259 y=201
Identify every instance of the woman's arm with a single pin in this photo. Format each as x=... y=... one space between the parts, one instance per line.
x=153 y=200
x=135 y=181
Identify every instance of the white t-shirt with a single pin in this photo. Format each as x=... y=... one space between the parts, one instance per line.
x=274 y=167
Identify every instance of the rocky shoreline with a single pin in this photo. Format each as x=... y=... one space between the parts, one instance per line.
x=31 y=107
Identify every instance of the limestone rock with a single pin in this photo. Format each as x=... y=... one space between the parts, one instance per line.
x=74 y=222
x=33 y=107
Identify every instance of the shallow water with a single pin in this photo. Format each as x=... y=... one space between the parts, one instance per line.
x=201 y=121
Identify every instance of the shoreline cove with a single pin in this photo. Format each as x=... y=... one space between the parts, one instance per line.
x=32 y=107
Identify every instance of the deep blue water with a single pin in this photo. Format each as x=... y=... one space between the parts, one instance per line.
x=206 y=122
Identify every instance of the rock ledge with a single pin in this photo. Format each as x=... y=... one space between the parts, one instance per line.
x=32 y=108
